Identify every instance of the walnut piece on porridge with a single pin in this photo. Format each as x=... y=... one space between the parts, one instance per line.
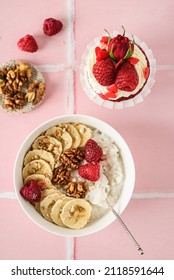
x=72 y=157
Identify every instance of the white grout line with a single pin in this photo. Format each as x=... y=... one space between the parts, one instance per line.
x=165 y=67
x=70 y=251
x=70 y=56
x=70 y=246
x=12 y=195
x=9 y=195
x=152 y=195
x=51 y=67
x=71 y=62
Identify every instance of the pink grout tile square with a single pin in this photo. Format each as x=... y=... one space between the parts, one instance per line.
x=16 y=128
x=153 y=23
x=21 y=239
x=149 y=220
x=20 y=18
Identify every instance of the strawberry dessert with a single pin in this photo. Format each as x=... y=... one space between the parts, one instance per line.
x=117 y=67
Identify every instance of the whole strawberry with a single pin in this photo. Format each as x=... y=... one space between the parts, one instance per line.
x=31 y=191
x=127 y=77
x=93 y=152
x=104 y=72
x=52 y=26
x=27 y=44
x=90 y=171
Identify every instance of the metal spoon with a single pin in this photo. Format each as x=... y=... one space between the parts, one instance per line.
x=126 y=229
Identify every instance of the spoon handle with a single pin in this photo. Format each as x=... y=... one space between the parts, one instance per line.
x=126 y=229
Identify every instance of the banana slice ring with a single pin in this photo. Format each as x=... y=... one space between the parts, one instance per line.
x=50 y=144
x=76 y=213
x=38 y=178
x=37 y=167
x=61 y=135
x=39 y=154
x=47 y=204
x=85 y=133
x=57 y=209
x=76 y=139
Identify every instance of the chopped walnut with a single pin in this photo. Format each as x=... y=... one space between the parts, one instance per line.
x=37 y=90
x=76 y=190
x=72 y=157
x=61 y=175
x=11 y=102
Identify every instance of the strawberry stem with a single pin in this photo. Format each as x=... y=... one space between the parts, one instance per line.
x=123 y=30
x=109 y=39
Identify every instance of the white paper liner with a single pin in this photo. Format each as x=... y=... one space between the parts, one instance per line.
x=125 y=103
x=36 y=76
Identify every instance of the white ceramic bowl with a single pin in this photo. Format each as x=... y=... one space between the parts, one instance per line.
x=123 y=200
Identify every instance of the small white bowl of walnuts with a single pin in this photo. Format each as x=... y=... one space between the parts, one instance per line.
x=22 y=87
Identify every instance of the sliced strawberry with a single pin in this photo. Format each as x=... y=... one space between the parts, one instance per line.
x=110 y=94
x=146 y=72
x=102 y=96
x=112 y=88
x=133 y=60
x=104 y=39
x=101 y=54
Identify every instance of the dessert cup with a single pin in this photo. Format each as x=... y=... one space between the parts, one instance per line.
x=91 y=92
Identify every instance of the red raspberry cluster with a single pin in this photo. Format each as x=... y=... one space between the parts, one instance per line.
x=115 y=65
x=51 y=27
x=93 y=154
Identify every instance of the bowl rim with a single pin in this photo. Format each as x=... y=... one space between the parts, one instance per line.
x=107 y=218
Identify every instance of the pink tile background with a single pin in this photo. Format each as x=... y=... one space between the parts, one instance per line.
x=113 y=243
x=148 y=128
x=22 y=239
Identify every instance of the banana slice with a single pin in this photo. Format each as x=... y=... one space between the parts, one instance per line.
x=38 y=178
x=39 y=154
x=76 y=139
x=85 y=133
x=57 y=209
x=38 y=166
x=47 y=192
x=50 y=144
x=76 y=213
x=61 y=135
x=47 y=204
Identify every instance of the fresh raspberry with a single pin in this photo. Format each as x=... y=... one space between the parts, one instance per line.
x=52 y=26
x=127 y=77
x=104 y=72
x=27 y=44
x=90 y=171
x=93 y=152
x=31 y=191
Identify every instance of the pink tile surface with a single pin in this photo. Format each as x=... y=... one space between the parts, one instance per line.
x=152 y=228
x=153 y=23
x=20 y=18
x=148 y=130
x=21 y=239
x=147 y=127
